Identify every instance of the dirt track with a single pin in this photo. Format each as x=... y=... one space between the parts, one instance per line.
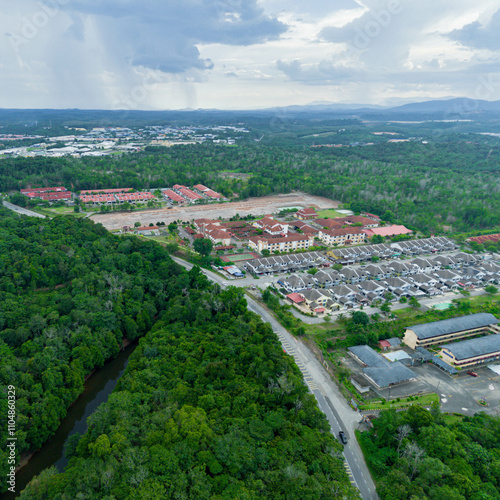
x=255 y=206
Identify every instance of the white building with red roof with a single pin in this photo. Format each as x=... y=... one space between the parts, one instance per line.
x=285 y=244
x=271 y=226
x=213 y=231
x=306 y=213
x=345 y=236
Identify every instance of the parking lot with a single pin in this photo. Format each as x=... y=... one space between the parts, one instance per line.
x=458 y=394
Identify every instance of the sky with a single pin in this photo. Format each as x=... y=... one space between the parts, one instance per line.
x=245 y=54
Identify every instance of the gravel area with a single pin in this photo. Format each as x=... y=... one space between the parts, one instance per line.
x=255 y=206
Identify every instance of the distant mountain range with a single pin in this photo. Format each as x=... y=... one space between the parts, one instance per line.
x=456 y=108
x=451 y=108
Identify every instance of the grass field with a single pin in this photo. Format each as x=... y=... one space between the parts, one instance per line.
x=424 y=400
x=240 y=256
x=330 y=213
x=61 y=211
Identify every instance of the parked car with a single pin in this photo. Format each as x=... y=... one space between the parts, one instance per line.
x=342 y=437
x=471 y=373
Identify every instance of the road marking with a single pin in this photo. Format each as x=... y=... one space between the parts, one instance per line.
x=350 y=474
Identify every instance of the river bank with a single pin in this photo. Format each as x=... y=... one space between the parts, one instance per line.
x=99 y=384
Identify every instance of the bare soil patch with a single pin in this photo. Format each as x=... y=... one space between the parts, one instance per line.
x=254 y=206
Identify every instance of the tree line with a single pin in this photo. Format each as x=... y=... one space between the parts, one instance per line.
x=70 y=295
x=433 y=188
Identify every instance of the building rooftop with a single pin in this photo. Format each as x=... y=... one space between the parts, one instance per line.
x=395 y=374
x=387 y=230
x=368 y=356
x=472 y=348
x=446 y=326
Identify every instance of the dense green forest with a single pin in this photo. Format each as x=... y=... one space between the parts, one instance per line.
x=210 y=404
x=70 y=293
x=209 y=407
x=429 y=187
x=417 y=455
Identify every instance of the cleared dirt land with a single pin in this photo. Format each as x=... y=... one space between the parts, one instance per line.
x=255 y=206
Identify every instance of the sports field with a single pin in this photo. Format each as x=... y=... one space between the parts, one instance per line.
x=329 y=213
x=239 y=256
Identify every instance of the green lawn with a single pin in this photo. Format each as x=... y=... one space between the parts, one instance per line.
x=330 y=213
x=452 y=418
x=51 y=211
x=424 y=400
x=407 y=312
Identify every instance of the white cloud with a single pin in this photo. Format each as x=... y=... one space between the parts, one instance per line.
x=243 y=53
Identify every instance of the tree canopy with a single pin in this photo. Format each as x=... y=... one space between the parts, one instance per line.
x=416 y=454
x=209 y=407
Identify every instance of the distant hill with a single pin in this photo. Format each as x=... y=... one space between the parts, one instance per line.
x=441 y=106
x=443 y=109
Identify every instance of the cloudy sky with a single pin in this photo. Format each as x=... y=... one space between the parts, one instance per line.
x=236 y=54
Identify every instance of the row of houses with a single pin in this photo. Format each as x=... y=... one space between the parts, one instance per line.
x=48 y=194
x=114 y=197
x=182 y=194
x=391 y=250
x=209 y=193
x=352 y=287
x=286 y=263
x=287 y=243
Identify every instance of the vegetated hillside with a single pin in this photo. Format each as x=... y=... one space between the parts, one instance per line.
x=209 y=408
x=416 y=454
x=427 y=187
x=70 y=293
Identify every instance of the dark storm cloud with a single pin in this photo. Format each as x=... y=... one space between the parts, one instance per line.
x=480 y=36
x=164 y=35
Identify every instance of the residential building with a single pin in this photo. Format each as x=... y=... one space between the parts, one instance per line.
x=328 y=223
x=346 y=236
x=358 y=220
x=306 y=213
x=271 y=226
x=285 y=244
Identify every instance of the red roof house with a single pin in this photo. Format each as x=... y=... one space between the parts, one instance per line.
x=306 y=213
x=295 y=298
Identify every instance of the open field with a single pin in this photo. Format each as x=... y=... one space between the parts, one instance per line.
x=424 y=400
x=330 y=214
x=239 y=257
x=52 y=211
x=254 y=206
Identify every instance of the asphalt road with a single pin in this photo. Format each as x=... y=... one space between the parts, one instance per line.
x=339 y=414
x=21 y=210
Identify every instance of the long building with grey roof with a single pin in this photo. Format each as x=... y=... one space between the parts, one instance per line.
x=446 y=330
x=472 y=352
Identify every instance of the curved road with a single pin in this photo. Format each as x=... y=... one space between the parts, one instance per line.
x=340 y=415
x=22 y=211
